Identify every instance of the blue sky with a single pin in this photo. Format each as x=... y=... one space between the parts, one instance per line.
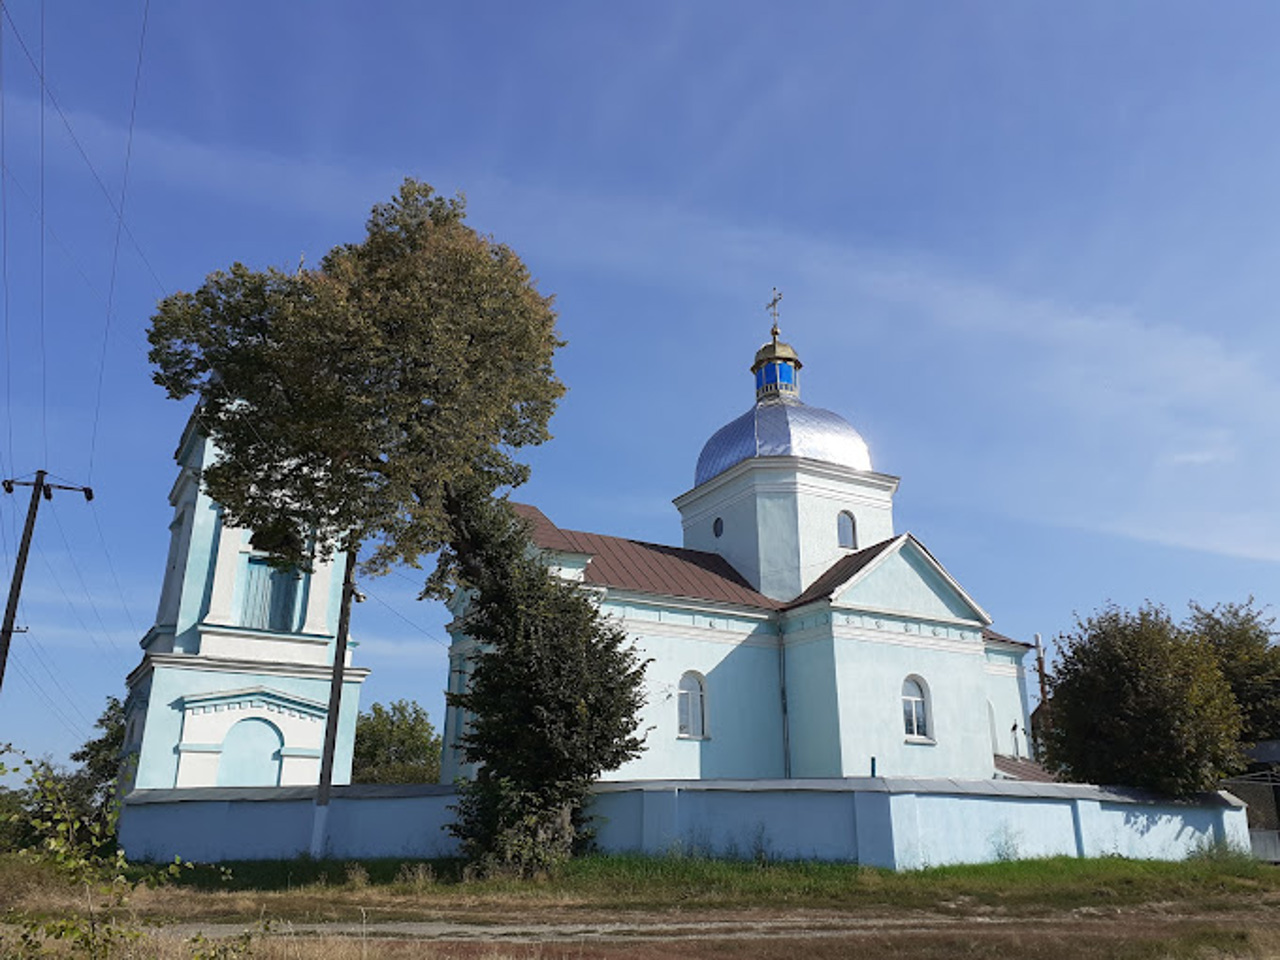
x=1027 y=250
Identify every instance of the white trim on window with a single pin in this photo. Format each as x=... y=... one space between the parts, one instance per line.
x=691 y=707
x=916 y=719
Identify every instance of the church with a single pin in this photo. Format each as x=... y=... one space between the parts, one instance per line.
x=795 y=633
x=819 y=686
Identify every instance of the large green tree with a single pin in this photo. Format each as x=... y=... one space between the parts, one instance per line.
x=344 y=400
x=1136 y=700
x=553 y=698
x=396 y=744
x=1242 y=637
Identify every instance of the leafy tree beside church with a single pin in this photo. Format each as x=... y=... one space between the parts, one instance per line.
x=396 y=744
x=553 y=698
x=1138 y=700
x=1243 y=640
x=343 y=400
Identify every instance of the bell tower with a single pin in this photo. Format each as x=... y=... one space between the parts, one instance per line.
x=233 y=685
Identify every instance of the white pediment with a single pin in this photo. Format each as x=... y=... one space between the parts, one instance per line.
x=263 y=698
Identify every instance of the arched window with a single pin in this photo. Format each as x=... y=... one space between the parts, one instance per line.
x=692 y=706
x=915 y=709
x=251 y=755
x=847 y=530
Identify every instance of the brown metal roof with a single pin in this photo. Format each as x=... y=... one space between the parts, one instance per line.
x=543 y=532
x=989 y=634
x=680 y=572
x=1018 y=769
x=840 y=572
x=647 y=567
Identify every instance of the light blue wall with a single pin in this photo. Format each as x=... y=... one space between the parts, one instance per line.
x=813 y=709
x=884 y=822
x=739 y=660
x=869 y=676
x=158 y=766
x=904 y=581
x=1008 y=699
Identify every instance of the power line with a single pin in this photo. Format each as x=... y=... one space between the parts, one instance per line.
x=75 y=612
x=53 y=101
x=44 y=664
x=115 y=249
x=44 y=368
x=53 y=234
x=75 y=567
x=124 y=603
x=61 y=717
x=4 y=251
x=421 y=629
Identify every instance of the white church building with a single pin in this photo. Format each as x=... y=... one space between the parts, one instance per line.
x=819 y=686
x=796 y=633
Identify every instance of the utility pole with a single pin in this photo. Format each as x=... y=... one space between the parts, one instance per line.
x=39 y=488
x=1044 y=680
x=320 y=819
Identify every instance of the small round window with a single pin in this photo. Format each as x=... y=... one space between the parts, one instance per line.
x=718 y=527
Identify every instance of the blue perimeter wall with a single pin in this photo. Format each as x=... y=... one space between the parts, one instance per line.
x=900 y=824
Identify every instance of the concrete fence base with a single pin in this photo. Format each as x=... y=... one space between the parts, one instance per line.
x=885 y=822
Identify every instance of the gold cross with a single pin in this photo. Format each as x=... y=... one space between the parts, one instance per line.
x=772 y=307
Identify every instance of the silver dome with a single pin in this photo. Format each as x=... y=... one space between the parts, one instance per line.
x=783 y=428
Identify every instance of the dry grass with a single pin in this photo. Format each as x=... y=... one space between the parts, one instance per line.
x=635 y=908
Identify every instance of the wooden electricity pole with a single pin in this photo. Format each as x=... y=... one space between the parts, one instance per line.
x=320 y=820
x=39 y=488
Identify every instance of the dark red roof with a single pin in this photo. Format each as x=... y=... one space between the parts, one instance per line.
x=680 y=572
x=647 y=567
x=840 y=572
x=989 y=634
x=1019 y=769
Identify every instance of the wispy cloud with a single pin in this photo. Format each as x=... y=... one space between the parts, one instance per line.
x=1097 y=415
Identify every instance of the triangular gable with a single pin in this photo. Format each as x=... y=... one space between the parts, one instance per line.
x=905 y=578
x=253 y=697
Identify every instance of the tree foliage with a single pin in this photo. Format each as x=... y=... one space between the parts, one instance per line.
x=1242 y=638
x=553 y=698
x=343 y=400
x=396 y=744
x=79 y=804
x=1137 y=700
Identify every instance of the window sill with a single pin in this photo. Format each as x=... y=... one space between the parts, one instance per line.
x=686 y=736
x=922 y=741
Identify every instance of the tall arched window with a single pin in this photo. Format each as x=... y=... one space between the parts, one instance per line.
x=847 y=530
x=692 y=706
x=915 y=709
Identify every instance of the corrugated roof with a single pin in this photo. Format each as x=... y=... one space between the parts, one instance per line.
x=647 y=567
x=680 y=572
x=1019 y=769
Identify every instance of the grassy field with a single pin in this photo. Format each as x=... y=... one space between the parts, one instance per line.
x=634 y=907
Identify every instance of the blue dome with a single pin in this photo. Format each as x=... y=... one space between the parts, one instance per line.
x=782 y=427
